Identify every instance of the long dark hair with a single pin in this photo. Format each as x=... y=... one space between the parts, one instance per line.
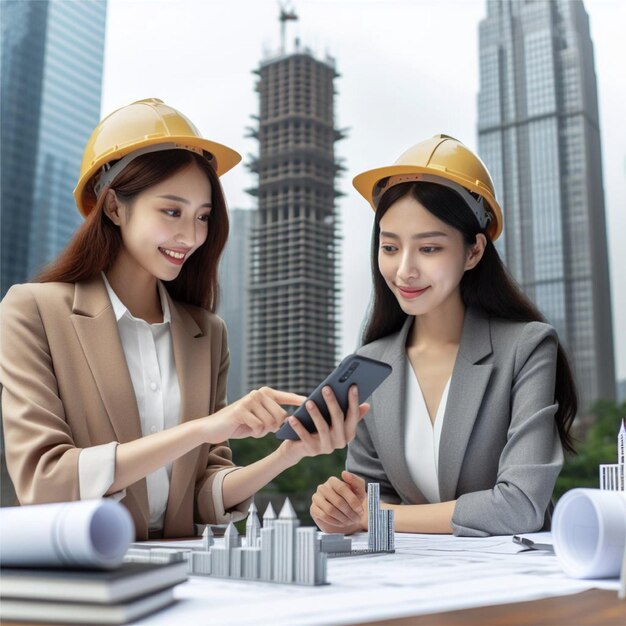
x=96 y=244
x=487 y=287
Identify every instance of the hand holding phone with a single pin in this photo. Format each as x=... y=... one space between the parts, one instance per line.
x=367 y=374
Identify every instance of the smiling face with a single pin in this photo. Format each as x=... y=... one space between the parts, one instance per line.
x=164 y=225
x=421 y=258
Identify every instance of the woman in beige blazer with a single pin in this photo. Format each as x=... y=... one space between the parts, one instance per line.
x=466 y=436
x=113 y=364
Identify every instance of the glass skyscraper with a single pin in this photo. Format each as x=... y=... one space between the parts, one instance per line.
x=51 y=64
x=234 y=300
x=538 y=133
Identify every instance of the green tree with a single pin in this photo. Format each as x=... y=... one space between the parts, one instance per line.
x=597 y=445
x=298 y=482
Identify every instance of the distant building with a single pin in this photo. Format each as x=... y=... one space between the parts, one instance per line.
x=621 y=390
x=539 y=135
x=294 y=258
x=234 y=302
x=51 y=77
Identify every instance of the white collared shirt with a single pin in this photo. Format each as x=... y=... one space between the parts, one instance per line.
x=421 y=444
x=150 y=358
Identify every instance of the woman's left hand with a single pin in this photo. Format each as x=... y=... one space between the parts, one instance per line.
x=328 y=437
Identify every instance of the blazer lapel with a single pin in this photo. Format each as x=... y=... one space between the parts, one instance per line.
x=94 y=321
x=389 y=405
x=192 y=356
x=467 y=388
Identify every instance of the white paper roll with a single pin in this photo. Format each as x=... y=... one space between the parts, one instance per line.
x=89 y=533
x=589 y=532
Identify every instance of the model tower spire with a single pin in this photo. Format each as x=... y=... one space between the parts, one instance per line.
x=269 y=517
x=253 y=527
x=207 y=538
x=232 y=539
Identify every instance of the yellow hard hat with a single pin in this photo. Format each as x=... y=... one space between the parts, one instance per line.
x=446 y=161
x=143 y=126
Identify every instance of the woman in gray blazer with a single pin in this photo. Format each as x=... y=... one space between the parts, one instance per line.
x=466 y=436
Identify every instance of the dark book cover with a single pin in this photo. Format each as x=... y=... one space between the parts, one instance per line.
x=128 y=581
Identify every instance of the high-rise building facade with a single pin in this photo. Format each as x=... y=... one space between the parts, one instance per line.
x=52 y=55
x=539 y=135
x=293 y=278
x=234 y=302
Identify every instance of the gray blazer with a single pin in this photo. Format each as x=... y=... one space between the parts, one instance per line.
x=500 y=452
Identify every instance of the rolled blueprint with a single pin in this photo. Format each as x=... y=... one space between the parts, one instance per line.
x=589 y=532
x=89 y=533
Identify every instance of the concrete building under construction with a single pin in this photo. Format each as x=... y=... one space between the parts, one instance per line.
x=294 y=255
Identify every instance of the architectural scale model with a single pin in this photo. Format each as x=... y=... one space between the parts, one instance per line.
x=612 y=477
x=278 y=552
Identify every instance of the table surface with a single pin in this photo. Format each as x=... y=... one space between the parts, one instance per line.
x=595 y=607
x=589 y=608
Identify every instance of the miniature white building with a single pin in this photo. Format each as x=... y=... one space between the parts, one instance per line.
x=310 y=562
x=280 y=552
x=336 y=543
x=253 y=527
x=612 y=477
x=267 y=554
x=285 y=544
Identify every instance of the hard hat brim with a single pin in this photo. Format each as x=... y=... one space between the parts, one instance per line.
x=365 y=183
x=225 y=158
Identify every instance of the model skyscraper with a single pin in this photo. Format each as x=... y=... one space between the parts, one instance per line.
x=380 y=528
x=612 y=477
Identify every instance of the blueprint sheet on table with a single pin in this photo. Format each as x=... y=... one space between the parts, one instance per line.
x=427 y=574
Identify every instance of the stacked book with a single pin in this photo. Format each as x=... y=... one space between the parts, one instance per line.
x=79 y=596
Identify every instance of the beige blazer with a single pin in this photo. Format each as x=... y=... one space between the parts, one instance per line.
x=66 y=386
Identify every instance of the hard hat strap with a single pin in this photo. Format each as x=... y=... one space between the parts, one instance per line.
x=110 y=172
x=477 y=206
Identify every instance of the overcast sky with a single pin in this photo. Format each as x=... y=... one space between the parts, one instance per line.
x=408 y=70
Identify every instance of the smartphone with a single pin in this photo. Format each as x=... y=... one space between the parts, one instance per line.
x=367 y=374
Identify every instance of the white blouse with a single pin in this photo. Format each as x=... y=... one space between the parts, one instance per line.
x=421 y=444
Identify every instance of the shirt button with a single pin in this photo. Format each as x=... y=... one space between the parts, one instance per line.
x=154 y=386
x=153 y=429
